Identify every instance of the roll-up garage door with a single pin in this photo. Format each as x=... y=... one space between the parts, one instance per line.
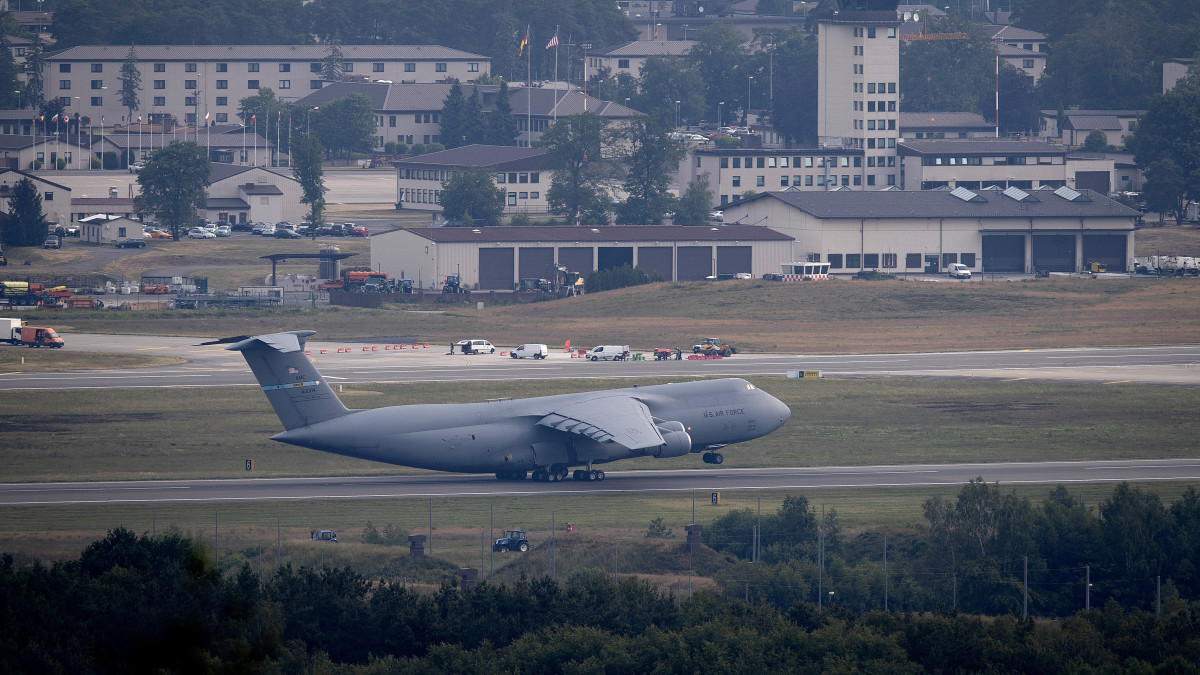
x=576 y=259
x=1108 y=249
x=535 y=263
x=1054 y=252
x=653 y=259
x=608 y=257
x=695 y=262
x=1004 y=253
x=1097 y=181
x=733 y=259
x=496 y=269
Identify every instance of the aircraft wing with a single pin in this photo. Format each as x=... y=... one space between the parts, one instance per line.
x=612 y=419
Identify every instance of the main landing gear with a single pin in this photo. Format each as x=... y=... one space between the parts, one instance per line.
x=588 y=475
x=554 y=474
x=713 y=458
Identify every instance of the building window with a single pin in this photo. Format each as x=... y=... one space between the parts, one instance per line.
x=835 y=261
x=97 y=84
x=222 y=67
x=870 y=33
x=285 y=84
x=523 y=195
x=160 y=67
x=252 y=84
x=889 y=261
x=64 y=84
x=160 y=84
x=472 y=67
x=49 y=197
x=857 y=179
x=871 y=260
x=251 y=67
x=160 y=100
x=222 y=84
x=64 y=67
x=189 y=100
x=760 y=181
x=285 y=67
x=410 y=67
x=737 y=181
x=315 y=84
x=512 y=199
x=222 y=100
x=97 y=100
x=222 y=117
x=912 y=261
x=870 y=179
x=347 y=67
x=439 y=67
x=623 y=63
x=967 y=259
x=500 y=178
x=377 y=67
x=189 y=84
x=535 y=177
x=314 y=67
x=97 y=67
x=853 y=261
x=1027 y=63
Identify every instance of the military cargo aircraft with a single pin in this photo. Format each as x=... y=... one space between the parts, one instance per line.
x=547 y=435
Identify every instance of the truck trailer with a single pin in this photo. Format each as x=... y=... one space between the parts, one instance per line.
x=16 y=333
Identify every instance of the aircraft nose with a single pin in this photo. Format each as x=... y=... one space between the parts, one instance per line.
x=782 y=409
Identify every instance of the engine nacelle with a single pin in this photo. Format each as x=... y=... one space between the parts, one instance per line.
x=677 y=442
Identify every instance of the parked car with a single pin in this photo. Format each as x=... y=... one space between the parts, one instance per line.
x=200 y=233
x=131 y=243
x=268 y=230
x=223 y=231
x=958 y=271
x=136 y=167
x=358 y=231
x=717 y=216
x=259 y=227
x=743 y=275
x=530 y=352
x=475 y=347
x=242 y=226
x=284 y=233
x=160 y=234
x=52 y=242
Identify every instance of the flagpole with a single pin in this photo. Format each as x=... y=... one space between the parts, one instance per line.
x=528 y=93
x=556 y=73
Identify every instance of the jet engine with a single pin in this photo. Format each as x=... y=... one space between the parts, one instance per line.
x=676 y=441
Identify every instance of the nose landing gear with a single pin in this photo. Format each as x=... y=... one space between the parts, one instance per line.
x=713 y=458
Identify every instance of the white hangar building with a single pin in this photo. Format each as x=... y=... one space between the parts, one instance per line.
x=497 y=258
x=925 y=231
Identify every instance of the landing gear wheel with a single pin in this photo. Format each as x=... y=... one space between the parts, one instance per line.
x=551 y=477
x=593 y=476
x=562 y=474
x=717 y=458
x=539 y=475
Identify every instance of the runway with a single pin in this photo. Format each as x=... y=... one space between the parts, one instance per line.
x=617 y=483
x=379 y=362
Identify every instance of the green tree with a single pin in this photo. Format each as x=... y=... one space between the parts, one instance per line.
x=696 y=203
x=333 y=66
x=10 y=93
x=473 y=194
x=794 y=109
x=454 y=125
x=1096 y=141
x=1019 y=110
x=582 y=176
x=24 y=224
x=1170 y=130
x=501 y=123
x=666 y=79
x=131 y=83
x=35 y=66
x=174 y=184
x=306 y=169
x=652 y=157
x=720 y=55
x=949 y=75
x=346 y=125
x=473 y=114
x=264 y=113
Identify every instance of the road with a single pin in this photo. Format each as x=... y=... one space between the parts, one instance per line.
x=356 y=362
x=617 y=483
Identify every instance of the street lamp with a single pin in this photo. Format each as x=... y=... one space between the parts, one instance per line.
x=309 y=117
x=685 y=27
x=676 y=114
x=749 y=79
x=719 y=113
x=77 y=131
x=771 y=85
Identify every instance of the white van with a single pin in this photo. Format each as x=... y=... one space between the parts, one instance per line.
x=530 y=352
x=958 y=271
x=606 y=352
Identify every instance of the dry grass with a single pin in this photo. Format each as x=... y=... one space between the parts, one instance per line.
x=242 y=251
x=16 y=360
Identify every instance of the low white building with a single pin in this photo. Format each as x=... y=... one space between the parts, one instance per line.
x=241 y=194
x=497 y=258
x=914 y=232
x=56 y=198
x=107 y=230
x=523 y=174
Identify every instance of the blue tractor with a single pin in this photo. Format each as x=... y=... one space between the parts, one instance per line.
x=513 y=540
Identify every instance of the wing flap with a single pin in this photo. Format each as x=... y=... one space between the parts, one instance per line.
x=610 y=419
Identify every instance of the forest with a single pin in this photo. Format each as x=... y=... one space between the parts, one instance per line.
x=137 y=603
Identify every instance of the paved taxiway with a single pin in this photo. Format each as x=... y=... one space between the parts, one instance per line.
x=213 y=366
x=618 y=482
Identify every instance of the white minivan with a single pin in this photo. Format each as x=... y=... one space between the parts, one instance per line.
x=529 y=352
x=958 y=271
x=606 y=352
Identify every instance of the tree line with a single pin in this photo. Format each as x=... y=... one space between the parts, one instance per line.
x=134 y=603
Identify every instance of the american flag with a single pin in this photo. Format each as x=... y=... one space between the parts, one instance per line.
x=553 y=41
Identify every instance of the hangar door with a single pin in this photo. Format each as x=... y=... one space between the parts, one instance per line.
x=695 y=263
x=1108 y=249
x=535 y=263
x=1054 y=252
x=1092 y=180
x=652 y=259
x=496 y=269
x=608 y=257
x=577 y=259
x=733 y=259
x=1004 y=253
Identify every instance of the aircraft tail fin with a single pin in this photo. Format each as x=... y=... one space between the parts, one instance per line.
x=289 y=379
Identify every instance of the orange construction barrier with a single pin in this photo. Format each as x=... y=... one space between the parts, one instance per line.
x=323 y=351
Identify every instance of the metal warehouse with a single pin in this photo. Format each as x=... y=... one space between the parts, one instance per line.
x=1011 y=230
x=497 y=258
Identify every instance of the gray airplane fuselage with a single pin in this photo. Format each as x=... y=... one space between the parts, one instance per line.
x=506 y=435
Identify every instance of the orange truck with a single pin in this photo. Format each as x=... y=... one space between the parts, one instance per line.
x=31 y=336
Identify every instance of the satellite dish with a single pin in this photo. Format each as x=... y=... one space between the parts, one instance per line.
x=916 y=16
x=908 y=16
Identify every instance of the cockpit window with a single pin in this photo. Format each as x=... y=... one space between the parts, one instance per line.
x=749 y=387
